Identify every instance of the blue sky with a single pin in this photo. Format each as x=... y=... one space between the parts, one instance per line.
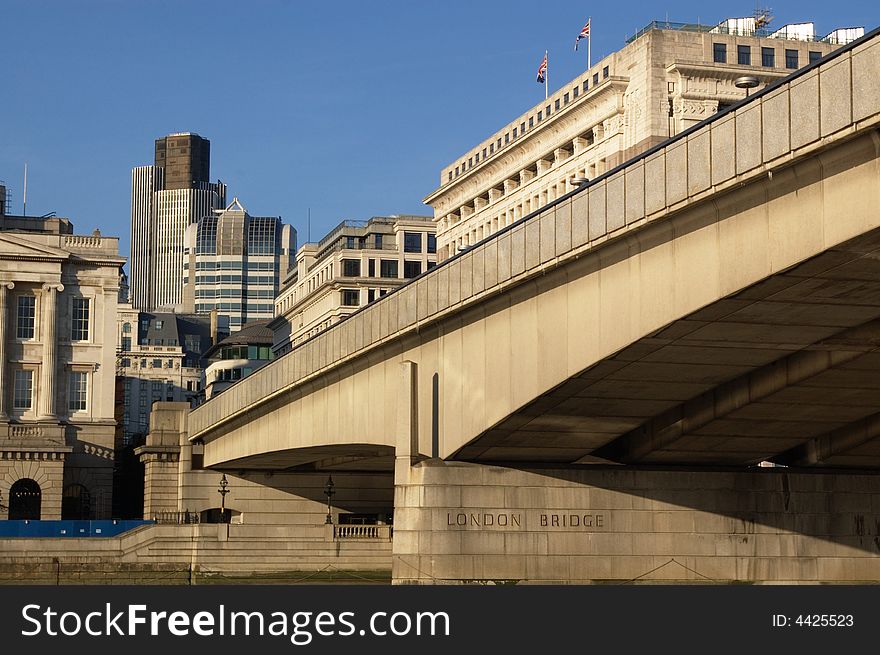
x=349 y=109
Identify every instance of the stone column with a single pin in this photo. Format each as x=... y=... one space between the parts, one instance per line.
x=48 y=368
x=3 y=384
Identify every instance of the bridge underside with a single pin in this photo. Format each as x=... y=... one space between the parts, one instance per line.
x=785 y=370
x=351 y=457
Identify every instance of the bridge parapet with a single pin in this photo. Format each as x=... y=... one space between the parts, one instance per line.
x=832 y=100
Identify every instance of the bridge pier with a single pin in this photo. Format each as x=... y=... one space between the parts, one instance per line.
x=459 y=522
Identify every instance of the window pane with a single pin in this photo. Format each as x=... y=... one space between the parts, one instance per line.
x=78 y=391
x=412 y=242
x=815 y=56
x=412 y=269
x=432 y=243
x=23 y=389
x=388 y=268
x=351 y=267
x=791 y=58
x=80 y=320
x=719 y=51
x=26 y=314
x=744 y=55
x=350 y=297
x=768 y=57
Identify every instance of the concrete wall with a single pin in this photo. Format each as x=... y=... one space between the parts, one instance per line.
x=458 y=522
x=165 y=554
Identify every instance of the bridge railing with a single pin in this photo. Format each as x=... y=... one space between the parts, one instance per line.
x=826 y=101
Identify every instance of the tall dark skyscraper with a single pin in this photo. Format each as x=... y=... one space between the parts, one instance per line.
x=165 y=199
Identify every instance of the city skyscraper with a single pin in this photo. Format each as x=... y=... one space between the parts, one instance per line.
x=166 y=198
x=235 y=262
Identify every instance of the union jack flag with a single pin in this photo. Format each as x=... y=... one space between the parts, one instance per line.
x=585 y=34
x=542 y=70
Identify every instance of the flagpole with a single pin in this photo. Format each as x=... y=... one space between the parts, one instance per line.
x=546 y=76
x=589 y=43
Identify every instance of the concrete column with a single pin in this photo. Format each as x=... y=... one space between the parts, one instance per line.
x=47 y=370
x=510 y=185
x=495 y=194
x=544 y=165
x=525 y=175
x=578 y=145
x=3 y=384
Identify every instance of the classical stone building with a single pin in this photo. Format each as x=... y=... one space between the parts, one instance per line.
x=356 y=263
x=58 y=299
x=234 y=264
x=667 y=78
x=165 y=199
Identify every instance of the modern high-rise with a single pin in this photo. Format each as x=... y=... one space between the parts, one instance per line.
x=667 y=78
x=166 y=198
x=234 y=264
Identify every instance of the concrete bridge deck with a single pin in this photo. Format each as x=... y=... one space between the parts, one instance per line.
x=714 y=301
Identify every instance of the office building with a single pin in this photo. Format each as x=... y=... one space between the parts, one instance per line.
x=234 y=264
x=166 y=198
x=668 y=77
x=159 y=357
x=356 y=263
x=58 y=299
x=237 y=356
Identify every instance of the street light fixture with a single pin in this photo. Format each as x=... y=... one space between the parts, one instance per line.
x=329 y=492
x=746 y=82
x=223 y=491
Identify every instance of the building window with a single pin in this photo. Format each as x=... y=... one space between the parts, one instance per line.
x=412 y=269
x=371 y=295
x=514 y=133
x=125 y=363
x=605 y=72
x=126 y=343
x=556 y=104
x=23 y=390
x=432 y=243
x=576 y=91
x=27 y=306
x=371 y=268
x=815 y=56
x=350 y=297
x=388 y=268
x=565 y=98
x=531 y=122
x=719 y=53
x=507 y=138
x=412 y=242
x=791 y=59
x=768 y=57
x=743 y=55
x=522 y=128
x=491 y=148
x=351 y=267
x=595 y=79
x=157 y=363
x=78 y=392
x=586 y=85
x=126 y=328
x=80 y=320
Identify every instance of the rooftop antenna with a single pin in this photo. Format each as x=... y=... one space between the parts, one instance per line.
x=24 y=200
x=763 y=16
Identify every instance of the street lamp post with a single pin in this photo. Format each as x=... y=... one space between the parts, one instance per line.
x=328 y=491
x=223 y=491
x=746 y=82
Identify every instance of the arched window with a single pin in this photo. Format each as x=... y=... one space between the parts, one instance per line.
x=126 y=328
x=25 y=499
x=76 y=503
